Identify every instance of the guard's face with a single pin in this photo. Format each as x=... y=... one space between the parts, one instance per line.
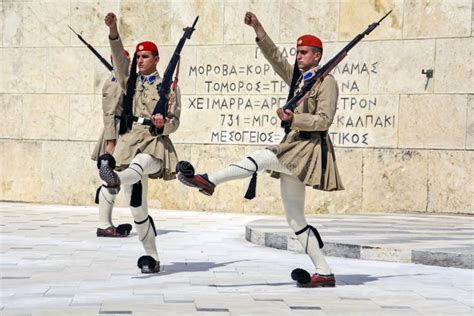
x=146 y=62
x=306 y=59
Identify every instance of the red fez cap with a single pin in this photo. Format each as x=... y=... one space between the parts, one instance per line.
x=309 y=40
x=146 y=46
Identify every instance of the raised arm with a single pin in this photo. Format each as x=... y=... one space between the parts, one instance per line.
x=120 y=61
x=271 y=52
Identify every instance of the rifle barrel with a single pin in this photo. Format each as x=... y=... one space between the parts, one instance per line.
x=93 y=50
x=72 y=30
x=161 y=106
x=384 y=16
x=331 y=64
x=195 y=21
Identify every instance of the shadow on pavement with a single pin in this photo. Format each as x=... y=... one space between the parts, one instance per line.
x=160 y=232
x=359 y=279
x=179 y=267
x=252 y=284
x=342 y=279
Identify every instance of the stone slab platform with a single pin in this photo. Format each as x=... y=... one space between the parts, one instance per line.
x=52 y=264
x=438 y=240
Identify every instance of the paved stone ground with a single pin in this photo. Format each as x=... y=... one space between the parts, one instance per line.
x=440 y=240
x=52 y=264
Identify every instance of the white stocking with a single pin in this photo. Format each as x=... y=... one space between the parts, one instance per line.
x=106 y=203
x=293 y=196
x=265 y=159
x=141 y=165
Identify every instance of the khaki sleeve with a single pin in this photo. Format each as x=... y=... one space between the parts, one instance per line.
x=279 y=63
x=111 y=99
x=174 y=112
x=120 y=62
x=326 y=109
x=109 y=127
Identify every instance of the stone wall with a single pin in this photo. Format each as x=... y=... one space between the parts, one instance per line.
x=403 y=142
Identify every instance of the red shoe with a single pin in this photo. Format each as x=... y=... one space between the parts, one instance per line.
x=198 y=181
x=320 y=280
x=111 y=232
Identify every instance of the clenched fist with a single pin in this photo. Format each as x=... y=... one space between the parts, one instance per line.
x=110 y=20
x=251 y=20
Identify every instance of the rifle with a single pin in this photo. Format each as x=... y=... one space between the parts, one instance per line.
x=127 y=118
x=324 y=71
x=96 y=53
x=164 y=89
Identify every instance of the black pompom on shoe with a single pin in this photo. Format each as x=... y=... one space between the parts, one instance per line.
x=301 y=276
x=106 y=165
x=124 y=229
x=148 y=264
x=106 y=157
x=185 y=168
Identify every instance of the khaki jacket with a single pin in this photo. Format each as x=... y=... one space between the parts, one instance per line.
x=303 y=156
x=139 y=139
x=112 y=98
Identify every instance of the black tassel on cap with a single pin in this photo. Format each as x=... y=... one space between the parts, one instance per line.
x=251 y=190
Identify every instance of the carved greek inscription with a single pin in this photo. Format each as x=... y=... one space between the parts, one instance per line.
x=242 y=100
x=361 y=119
x=244 y=137
x=234 y=103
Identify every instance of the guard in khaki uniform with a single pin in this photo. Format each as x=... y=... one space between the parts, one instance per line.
x=139 y=155
x=112 y=98
x=305 y=157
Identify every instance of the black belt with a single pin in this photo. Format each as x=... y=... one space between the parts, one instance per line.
x=139 y=120
x=324 y=149
x=309 y=135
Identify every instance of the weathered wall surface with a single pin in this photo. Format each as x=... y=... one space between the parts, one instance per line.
x=403 y=142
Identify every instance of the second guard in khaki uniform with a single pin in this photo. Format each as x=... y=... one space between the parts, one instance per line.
x=139 y=155
x=112 y=99
x=305 y=157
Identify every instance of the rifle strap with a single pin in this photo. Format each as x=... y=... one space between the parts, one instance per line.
x=127 y=113
x=294 y=80
x=175 y=82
